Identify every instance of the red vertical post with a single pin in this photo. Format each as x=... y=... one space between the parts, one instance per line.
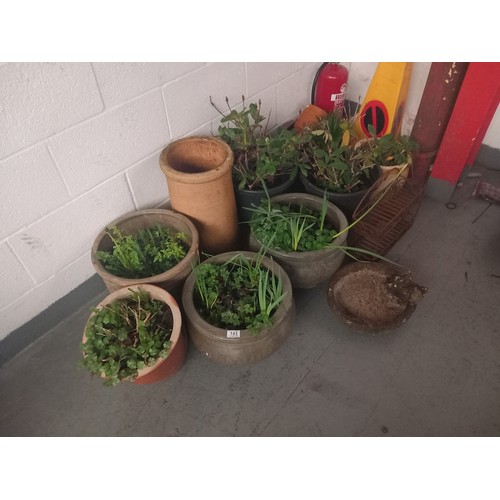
x=476 y=104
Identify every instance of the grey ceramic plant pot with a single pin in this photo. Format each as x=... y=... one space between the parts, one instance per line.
x=309 y=269
x=171 y=280
x=221 y=345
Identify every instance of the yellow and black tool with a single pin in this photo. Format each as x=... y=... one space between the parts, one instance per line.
x=384 y=103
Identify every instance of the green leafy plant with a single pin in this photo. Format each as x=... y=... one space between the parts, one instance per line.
x=294 y=228
x=332 y=160
x=260 y=157
x=237 y=294
x=291 y=228
x=390 y=151
x=148 y=252
x=126 y=336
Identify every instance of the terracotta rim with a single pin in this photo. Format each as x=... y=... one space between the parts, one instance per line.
x=200 y=177
x=156 y=293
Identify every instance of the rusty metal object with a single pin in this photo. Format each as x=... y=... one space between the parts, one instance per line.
x=440 y=93
x=388 y=219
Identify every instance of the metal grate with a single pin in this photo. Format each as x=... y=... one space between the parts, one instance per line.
x=384 y=225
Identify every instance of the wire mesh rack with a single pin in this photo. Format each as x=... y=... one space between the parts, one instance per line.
x=386 y=220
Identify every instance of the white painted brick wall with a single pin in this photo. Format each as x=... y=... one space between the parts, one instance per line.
x=79 y=146
x=187 y=98
x=38 y=100
x=261 y=75
x=14 y=278
x=149 y=185
x=100 y=148
x=56 y=240
x=30 y=187
x=294 y=93
x=121 y=82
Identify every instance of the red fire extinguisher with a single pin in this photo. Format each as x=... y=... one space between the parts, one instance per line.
x=329 y=87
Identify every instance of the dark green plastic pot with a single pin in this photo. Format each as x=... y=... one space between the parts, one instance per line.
x=347 y=202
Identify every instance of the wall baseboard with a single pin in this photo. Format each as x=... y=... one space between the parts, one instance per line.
x=31 y=331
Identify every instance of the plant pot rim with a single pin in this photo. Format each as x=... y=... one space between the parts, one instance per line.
x=344 y=194
x=332 y=211
x=156 y=278
x=271 y=190
x=156 y=293
x=246 y=335
x=197 y=177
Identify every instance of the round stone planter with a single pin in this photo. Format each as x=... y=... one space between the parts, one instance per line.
x=373 y=297
x=239 y=347
x=171 y=280
x=309 y=269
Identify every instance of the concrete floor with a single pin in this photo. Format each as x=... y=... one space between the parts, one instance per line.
x=437 y=375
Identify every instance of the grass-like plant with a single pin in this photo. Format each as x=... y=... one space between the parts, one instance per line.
x=148 y=252
x=239 y=293
x=283 y=227
x=292 y=228
x=126 y=336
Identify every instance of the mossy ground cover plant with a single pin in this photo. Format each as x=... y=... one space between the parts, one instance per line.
x=126 y=336
x=237 y=294
x=146 y=253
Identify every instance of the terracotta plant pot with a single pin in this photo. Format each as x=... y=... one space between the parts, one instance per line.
x=214 y=343
x=164 y=367
x=310 y=115
x=171 y=280
x=199 y=177
x=309 y=269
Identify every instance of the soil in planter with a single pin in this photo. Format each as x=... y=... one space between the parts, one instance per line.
x=374 y=299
